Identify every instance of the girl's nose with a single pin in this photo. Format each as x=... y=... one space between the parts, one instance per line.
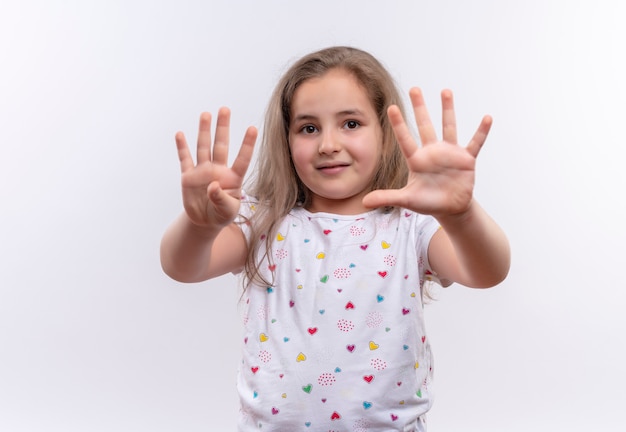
x=329 y=143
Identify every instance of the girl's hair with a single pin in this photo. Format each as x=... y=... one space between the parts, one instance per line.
x=275 y=183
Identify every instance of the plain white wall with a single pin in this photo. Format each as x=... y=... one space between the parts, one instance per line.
x=94 y=337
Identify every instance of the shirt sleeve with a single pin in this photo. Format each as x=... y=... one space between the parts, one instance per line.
x=246 y=210
x=426 y=227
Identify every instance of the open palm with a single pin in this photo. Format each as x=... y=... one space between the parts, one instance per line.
x=441 y=173
x=211 y=190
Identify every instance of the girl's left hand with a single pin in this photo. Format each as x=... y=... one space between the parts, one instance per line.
x=441 y=173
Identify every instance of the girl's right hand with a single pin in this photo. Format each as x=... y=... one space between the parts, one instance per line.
x=211 y=190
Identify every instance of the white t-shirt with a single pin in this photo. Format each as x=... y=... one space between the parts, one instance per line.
x=338 y=342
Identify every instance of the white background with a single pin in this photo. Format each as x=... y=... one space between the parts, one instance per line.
x=93 y=337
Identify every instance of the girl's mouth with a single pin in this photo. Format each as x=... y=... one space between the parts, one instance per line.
x=335 y=168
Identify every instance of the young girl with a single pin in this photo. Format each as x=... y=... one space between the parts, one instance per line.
x=343 y=222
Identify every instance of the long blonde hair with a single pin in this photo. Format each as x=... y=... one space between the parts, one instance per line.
x=274 y=182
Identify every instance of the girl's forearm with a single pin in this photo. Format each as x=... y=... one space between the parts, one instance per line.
x=481 y=248
x=186 y=250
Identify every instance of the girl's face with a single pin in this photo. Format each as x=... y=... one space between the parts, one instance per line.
x=335 y=140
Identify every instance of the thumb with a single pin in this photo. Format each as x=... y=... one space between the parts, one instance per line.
x=225 y=207
x=213 y=192
x=384 y=198
x=218 y=196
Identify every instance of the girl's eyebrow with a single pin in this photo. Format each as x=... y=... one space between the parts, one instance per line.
x=354 y=111
x=301 y=117
x=347 y=112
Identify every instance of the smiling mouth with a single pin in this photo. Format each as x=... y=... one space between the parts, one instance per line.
x=332 y=168
x=333 y=165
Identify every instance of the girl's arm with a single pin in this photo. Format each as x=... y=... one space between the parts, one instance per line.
x=204 y=242
x=190 y=253
x=470 y=249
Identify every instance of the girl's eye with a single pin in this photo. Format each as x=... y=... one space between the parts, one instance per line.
x=352 y=124
x=308 y=129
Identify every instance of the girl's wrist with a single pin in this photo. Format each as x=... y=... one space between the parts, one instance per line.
x=457 y=219
x=208 y=231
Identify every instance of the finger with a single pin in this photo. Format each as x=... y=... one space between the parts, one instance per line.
x=448 y=118
x=184 y=155
x=215 y=192
x=477 y=141
x=203 y=149
x=220 y=146
x=384 y=198
x=425 y=126
x=408 y=146
x=240 y=166
x=220 y=198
